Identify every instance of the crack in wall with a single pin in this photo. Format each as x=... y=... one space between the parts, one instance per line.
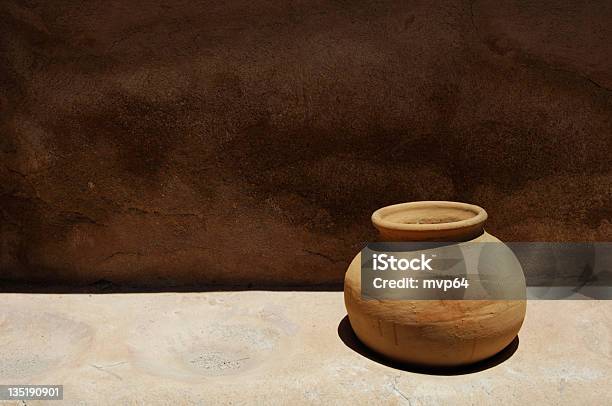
x=529 y=60
x=319 y=254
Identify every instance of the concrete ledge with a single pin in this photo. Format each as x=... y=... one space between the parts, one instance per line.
x=259 y=347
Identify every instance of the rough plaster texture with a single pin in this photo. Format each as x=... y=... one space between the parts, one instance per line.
x=248 y=142
x=279 y=348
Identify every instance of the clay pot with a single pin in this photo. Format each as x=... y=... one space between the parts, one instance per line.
x=440 y=333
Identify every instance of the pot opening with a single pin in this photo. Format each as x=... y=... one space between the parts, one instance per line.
x=433 y=220
x=439 y=217
x=431 y=215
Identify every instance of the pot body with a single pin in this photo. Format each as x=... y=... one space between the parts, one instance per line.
x=443 y=333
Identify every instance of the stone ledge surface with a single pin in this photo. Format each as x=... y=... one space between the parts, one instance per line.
x=257 y=347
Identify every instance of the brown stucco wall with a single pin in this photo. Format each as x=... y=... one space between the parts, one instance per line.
x=247 y=142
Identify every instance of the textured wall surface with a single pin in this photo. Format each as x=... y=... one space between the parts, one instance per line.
x=247 y=142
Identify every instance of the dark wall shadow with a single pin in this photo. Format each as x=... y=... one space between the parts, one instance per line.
x=104 y=286
x=347 y=335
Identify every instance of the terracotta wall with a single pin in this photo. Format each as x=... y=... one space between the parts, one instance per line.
x=247 y=142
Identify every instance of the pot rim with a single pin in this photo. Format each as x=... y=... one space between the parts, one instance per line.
x=379 y=216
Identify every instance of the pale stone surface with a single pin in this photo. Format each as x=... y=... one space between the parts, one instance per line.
x=277 y=347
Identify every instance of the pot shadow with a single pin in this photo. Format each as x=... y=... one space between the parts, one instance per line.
x=348 y=337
